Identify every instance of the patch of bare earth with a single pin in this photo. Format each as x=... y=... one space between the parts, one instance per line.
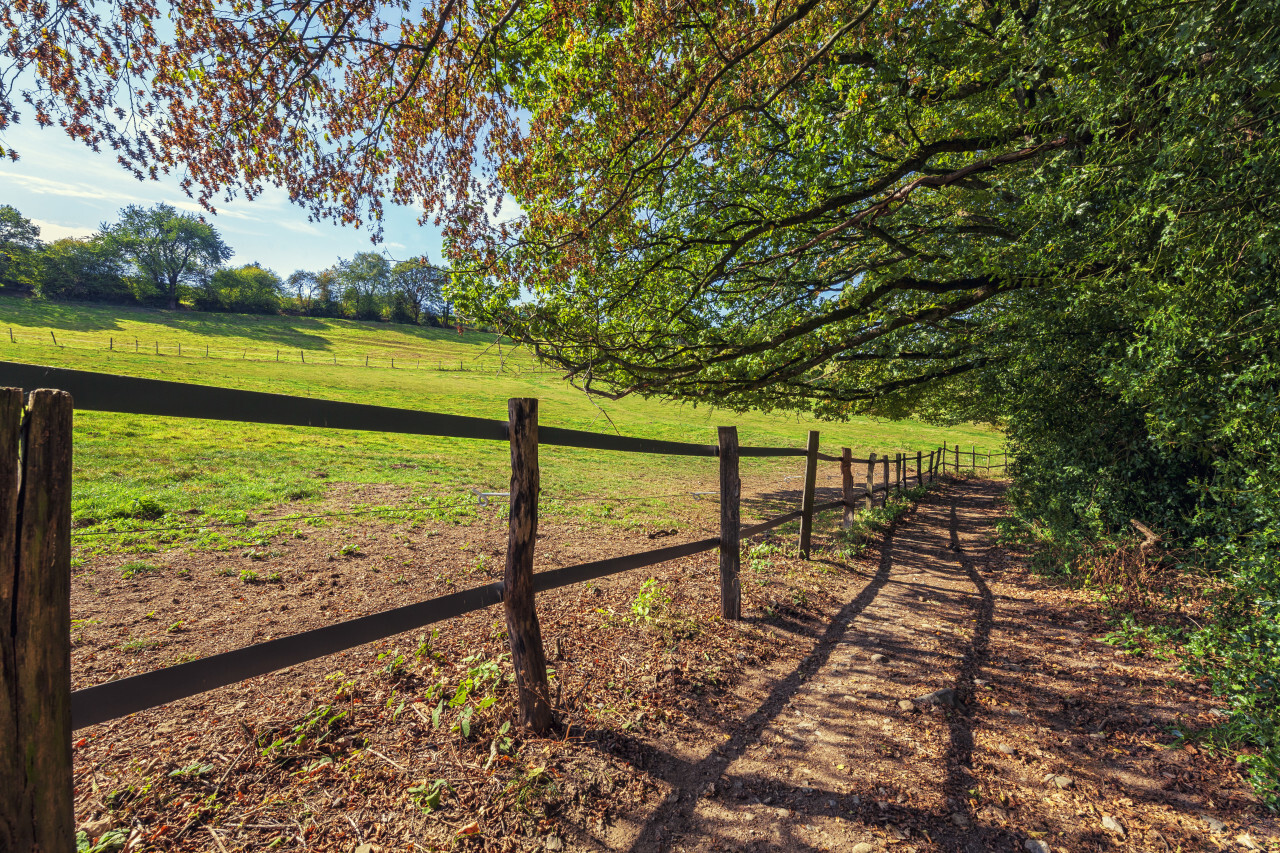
x=806 y=727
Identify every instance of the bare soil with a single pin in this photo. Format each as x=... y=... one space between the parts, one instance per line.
x=679 y=731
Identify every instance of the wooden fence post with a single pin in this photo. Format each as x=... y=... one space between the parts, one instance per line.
x=956 y=467
x=919 y=468
x=35 y=622
x=525 y=636
x=884 y=462
x=846 y=485
x=730 y=525
x=944 y=459
x=871 y=485
x=806 y=502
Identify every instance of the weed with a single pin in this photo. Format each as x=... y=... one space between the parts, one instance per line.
x=649 y=602
x=275 y=577
x=192 y=771
x=248 y=576
x=351 y=549
x=133 y=568
x=175 y=628
x=427 y=795
x=139 y=644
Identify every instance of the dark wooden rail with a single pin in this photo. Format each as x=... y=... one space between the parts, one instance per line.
x=38 y=710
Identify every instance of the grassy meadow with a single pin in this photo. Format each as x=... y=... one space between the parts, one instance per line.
x=136 y=471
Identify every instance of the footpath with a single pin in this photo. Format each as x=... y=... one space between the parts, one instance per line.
x=957 y=703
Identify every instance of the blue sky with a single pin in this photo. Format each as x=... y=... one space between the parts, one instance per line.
x=69 y=191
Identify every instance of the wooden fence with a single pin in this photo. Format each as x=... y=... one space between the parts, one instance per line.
x=404 y=360
x=38 y=709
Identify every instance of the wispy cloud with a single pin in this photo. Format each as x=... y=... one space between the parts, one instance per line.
x=48 y=186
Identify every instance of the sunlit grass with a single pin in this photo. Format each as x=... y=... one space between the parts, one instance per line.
x=147 y=468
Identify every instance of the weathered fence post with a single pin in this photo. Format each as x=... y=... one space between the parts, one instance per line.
x=885 y=464
x=525 y=636
x=806 y=502
x=944 y=458
x=899 y=471
x=730 y=525
x=35 y=622
x=956 y=468
x=871 y=485
x=919 y=468
x=846 y=485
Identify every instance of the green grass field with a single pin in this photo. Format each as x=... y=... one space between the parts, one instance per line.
x=136 y=470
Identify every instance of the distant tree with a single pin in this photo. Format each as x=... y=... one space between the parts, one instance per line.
x=84 y=270
x=19 y=250
x=301 y=288
x=249 y=289
x=417 y=287
x=327 y=301
x=168 y=248
x=366 y=283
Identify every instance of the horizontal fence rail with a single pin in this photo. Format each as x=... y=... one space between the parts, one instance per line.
x=109 y=392
x=65 y=710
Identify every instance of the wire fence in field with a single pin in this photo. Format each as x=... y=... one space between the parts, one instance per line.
x=506 y=362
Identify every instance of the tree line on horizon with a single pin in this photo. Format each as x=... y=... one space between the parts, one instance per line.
x=161 y=256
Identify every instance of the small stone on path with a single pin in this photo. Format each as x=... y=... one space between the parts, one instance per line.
x=1035 y=845
x=960 y=819
x=944 y=696
x=553 y=843
x=1112 y=825
x=863 y=847
x=879 y=658
x=906 y=705
x=1213 y=823
x=1007 y=749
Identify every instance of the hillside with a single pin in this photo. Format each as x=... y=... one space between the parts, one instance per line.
x=135 y=467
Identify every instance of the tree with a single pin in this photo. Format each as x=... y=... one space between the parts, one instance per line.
x=19 y=250
x=418 y=286
x=249 y=289
x=89 y=270
x=168 y=249
x=303 y=287
x=365 y=280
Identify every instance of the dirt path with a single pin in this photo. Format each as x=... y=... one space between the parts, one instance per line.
x=936 y=713
x=802 y=728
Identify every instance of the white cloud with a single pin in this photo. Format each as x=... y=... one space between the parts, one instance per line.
x=47 y=186
x=50 y=231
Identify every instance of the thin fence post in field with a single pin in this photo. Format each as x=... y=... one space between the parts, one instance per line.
x=871 y=478
x=55 y=337
x=900 y=464
x=527 y=655
x=393 y=362
x=846 y=486
x=302 y=355
x=806 y=500
x=884 y=463
x=277 y=355
x=206 y=350
x=35 y=631
x=111 y=344
x=956 y=468
x=135 y=344
x=157 y=347
x=366 y=361
x=11 y=340
x=944 y=459
x=973 y=462
x=179 y=348
x=730 y=525
x=919 y=468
